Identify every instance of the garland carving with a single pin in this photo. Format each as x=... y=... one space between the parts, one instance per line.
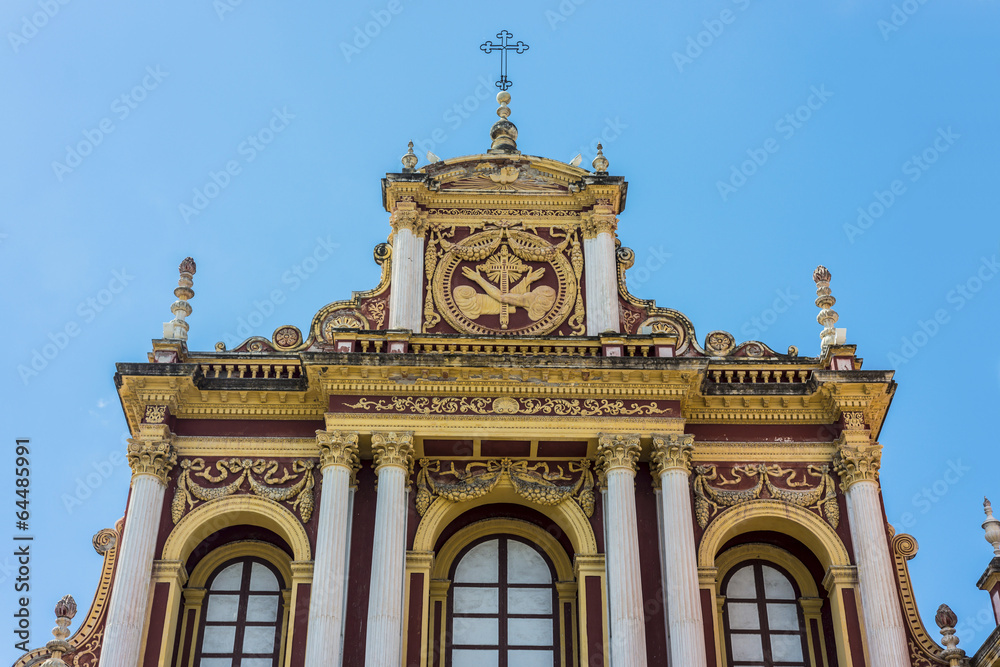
x=507 y=405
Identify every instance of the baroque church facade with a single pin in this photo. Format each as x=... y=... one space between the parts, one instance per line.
x=500 y=456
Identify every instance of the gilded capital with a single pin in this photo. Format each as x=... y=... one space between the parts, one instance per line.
x=671 y=452
x=599 y=223
x=392 y=448
x=151 y=457
x=617 y=451
x=338 y=448
x=857 y=460
x=406 y=216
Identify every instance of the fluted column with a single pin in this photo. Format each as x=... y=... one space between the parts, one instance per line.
x=338 y=456
x=151 y=458
x=618 y=455
x=406 y=296
x=672 y=464
x=601 y=271
x=393 y=463
x=858 y=461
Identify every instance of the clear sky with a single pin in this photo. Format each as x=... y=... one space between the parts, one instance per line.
x=759 y=139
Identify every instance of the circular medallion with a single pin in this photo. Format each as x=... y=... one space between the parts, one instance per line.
x=505 y=282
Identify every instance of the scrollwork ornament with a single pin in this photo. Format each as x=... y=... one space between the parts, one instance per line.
x=672 y=452
x=151 y=457
x=393 y=449
x=858 y=462
x=854 y=421
x=618 y=451
x=338 y=448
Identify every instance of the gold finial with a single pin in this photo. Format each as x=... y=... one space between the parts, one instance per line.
x=65 y=611
x=409 y=160
x=503 y=133
x=600 y=162
x=825 y=300
x=177 y=328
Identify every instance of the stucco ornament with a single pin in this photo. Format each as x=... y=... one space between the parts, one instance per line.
x=151 y=457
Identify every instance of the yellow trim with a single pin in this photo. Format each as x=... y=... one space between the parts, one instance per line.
x=215 y=515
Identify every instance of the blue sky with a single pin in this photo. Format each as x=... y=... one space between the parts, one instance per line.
x=759 y=140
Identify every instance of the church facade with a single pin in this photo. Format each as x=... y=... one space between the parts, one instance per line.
x=500 y=456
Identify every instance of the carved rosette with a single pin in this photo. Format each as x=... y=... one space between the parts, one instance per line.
x=151 y=457
x=393 y=449
x=857 y=461
x=618 y=451
x=338 y=448
x=671 y=452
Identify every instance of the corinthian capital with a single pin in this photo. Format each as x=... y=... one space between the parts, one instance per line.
x=599 y=223
x=393 y=449
x=337 y=448
x=617 y=451
x=672 y=452
x=151 y=457
x=857 y=460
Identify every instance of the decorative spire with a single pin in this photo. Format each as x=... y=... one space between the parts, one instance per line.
x=600 y=162
x=825 y=300
x=992 y=527
x=177 y=329
x=946 y=619
x=503 y=133
x=65 y=611
x=409 y=160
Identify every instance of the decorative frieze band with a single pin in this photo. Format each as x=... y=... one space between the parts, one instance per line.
x=671 y=452
x=508 y=405
x=151 y=457
x=618 y=451
x=393 y=449
x=338 y=448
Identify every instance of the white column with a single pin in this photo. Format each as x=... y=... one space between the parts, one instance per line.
x=393 y=459
x=686 y=626
x=618 y=456
x=338 y=458
x=151 y=461
x=406 y=291
x=858 y=461
x=601 y=272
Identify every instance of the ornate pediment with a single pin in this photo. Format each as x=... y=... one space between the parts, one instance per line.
x=494 y=176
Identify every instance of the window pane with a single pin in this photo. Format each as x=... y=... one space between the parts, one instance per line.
x=782 y=617
x=747 y=647
x=257 y=662
x=743 y=616
x=217 y=662
x=476 y=600
x=529 y=632
x=530 y=658
x=262 y=579
x=258 y=639
x=525 y=566
x=479 y=565
x=466 y=658
x=222 y=608
x=529 y=601
x=218 y=639
x=476 y=631
x=741 y=585
x=262 y=608
x=777 y=586
x=229 y=579
x=786 y=648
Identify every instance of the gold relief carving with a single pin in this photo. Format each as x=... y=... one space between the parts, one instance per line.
x=570 y=407
x=338 y=448
x=376 y=311
x=854 y=421
x=671 y=452
x=155 y=414
x=541 y=483
x=406 y=218
x=617 y=451
x=817 y=491
x=719 y=343
x=662 y=327
x=501 y=212
x=857 y=462
x=88 y=653
x=262 y=475
x=393 y=449
x=629 y=319
x=151 y=457
x=286 y=337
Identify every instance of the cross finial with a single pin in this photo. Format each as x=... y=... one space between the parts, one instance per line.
x=503 y=47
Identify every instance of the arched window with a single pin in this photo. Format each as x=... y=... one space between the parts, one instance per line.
x=502 y=606
x=763 y=618
x=241 y=623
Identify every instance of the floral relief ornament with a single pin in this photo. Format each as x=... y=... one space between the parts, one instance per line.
x=151 y=457
x=506 y=405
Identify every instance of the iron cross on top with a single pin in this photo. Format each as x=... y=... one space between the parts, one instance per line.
x=503 y=47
